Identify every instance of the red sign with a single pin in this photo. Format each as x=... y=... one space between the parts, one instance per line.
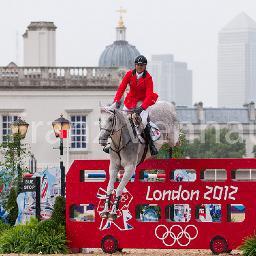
x=63 y=134
x=190 y=203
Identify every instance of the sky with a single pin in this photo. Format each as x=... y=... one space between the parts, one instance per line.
x=188 y=29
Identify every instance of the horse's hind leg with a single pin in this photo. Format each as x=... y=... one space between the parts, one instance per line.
x=113 y=171
x=129 y=170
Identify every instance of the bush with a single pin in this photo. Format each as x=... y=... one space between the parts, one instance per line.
x=44 y=237
x=59 y=211
x=3 y=227
x=12 y=207
x=249 y=246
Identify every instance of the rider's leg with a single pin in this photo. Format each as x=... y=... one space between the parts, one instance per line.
x=145 y=121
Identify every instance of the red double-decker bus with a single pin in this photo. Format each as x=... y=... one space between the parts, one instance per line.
x=170 y=203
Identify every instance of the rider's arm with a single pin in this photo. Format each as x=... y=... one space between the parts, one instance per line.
x=122 y=87
x=149 y=94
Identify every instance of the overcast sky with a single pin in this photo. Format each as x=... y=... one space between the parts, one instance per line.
x=188 y=29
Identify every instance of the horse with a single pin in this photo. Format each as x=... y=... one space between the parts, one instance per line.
x=126 y=150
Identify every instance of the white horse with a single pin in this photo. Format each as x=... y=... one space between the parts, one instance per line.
x=126 y=150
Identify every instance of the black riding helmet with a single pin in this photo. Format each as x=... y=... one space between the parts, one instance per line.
x=141 y=60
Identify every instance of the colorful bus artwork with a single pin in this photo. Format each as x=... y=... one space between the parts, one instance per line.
x=168 y=204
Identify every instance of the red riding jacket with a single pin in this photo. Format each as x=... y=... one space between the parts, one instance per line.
x=140 y=90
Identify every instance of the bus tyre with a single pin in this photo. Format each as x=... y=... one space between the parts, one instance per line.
x=109 y=244
x=218 y=245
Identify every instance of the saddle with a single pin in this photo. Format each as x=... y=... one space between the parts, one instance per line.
x=139 y=130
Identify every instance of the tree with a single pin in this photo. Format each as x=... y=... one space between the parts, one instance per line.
x=12 y=207
x=13 y=154
x=213 y=143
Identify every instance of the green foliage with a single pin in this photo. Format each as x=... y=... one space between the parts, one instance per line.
x=12 y=207
x=3 y=227
x=45 y=237
x=59 y=211
x=254 y=150
x=214 y=143
x=248 y=246
x=177 y=152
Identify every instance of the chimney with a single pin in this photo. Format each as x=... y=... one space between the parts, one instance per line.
x=251 y=111
x=199 y=112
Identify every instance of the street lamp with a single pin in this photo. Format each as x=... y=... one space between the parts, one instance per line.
x=19 y=130
x=59 y=126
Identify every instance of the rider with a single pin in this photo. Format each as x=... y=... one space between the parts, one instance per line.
x=140 y=96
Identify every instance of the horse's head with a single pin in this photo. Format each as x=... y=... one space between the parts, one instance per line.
x=107 y=124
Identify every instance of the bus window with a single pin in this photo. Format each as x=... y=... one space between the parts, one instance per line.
x=236 y=212
x=152 y=175
x=92 y=175
x=208 y=213
x=213 y=175
x=183 y=175
x=148 y=213
x=244 y=174
x=121 y=174
x=82 y=212
x=178 y=213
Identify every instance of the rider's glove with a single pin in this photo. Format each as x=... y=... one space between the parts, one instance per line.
x=118 y=104
x=138 y=110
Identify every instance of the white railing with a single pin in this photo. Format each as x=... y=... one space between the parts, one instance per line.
x=54 y=75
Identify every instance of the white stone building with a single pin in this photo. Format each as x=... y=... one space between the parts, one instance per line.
x=41 y=97
x=237 y=62
x=172 y=80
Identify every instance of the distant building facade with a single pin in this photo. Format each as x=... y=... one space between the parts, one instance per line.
x=172 y=79
x=237 y=62
x=194 y=120
x=40 y=44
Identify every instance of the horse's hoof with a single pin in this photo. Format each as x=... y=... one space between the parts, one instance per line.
x=104 y=215
x=112 y=216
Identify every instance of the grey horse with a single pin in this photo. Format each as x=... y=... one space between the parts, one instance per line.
x=127 y=151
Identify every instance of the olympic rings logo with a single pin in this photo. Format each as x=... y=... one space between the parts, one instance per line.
x=177 y=234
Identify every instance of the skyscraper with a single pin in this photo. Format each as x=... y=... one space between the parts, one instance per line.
x=237 y=62
x=172 y=80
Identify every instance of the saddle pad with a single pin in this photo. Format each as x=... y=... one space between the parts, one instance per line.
x=154 y=131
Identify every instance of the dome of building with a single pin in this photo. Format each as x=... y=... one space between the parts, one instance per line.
x=120 y=53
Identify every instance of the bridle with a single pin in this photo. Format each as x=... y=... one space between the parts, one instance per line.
x=112 y=131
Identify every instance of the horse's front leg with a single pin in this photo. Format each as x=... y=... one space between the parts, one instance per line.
x=113 y=171
x=129 y=170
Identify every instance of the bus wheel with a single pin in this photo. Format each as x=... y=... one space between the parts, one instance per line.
x=218 y=245
x=109 y=244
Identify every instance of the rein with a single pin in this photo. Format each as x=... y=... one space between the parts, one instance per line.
x=118 y=148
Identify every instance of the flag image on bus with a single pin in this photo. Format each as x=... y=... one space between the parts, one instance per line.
x=168 y=204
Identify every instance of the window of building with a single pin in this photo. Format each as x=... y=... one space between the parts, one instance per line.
x=152 y=175
x=208 y=213
x=178 y=213
x=183 y=175
x=7 y=120
x=92 y=175
x=148 y=213
x=82 y=213
x=236 y=212
x=213 y=175
x=244 y=175
x=78 y=131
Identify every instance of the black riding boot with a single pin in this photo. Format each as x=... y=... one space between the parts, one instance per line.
x=152 y=147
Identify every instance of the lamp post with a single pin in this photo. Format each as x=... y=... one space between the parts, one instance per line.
x=19 y=130
x=59 y=126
